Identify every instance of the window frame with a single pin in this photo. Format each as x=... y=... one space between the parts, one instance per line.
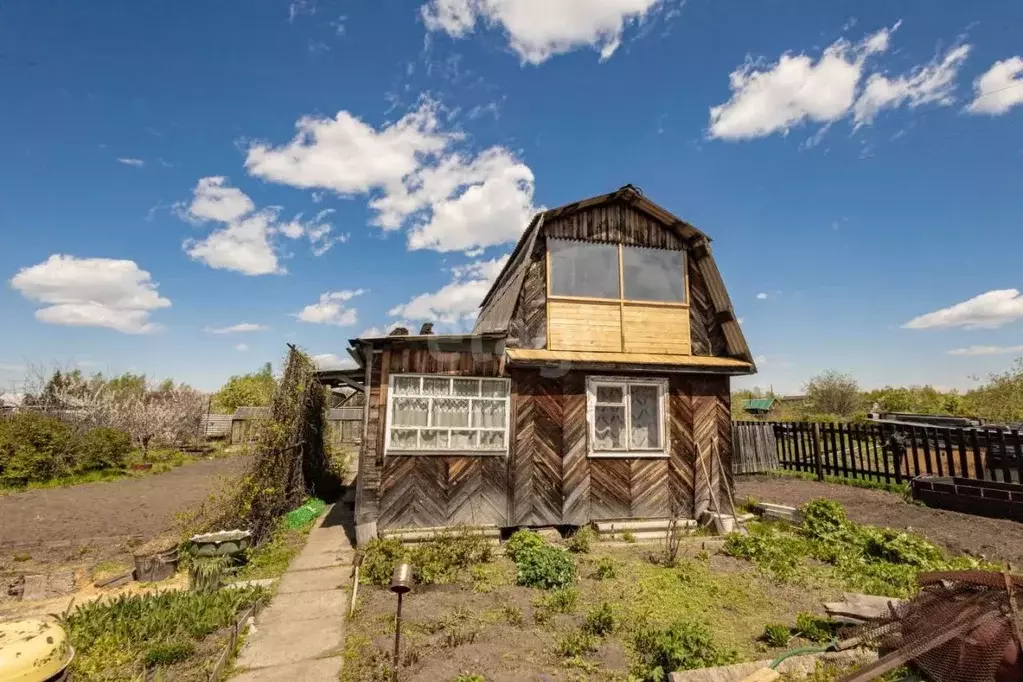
x=419 y=451
x=625 y=383
x=620 y=299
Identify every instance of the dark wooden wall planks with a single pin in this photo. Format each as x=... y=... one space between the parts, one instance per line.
x=547 y=479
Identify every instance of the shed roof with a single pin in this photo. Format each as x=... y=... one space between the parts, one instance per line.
x=757 y=404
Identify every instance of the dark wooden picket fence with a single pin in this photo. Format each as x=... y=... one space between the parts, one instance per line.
x=894 y=452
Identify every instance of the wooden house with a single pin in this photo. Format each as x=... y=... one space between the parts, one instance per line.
x=594 y=386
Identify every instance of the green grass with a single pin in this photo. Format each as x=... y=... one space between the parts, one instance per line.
x=126 y=637
x=271 y=559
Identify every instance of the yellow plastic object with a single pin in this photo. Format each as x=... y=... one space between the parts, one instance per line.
x=33 y=650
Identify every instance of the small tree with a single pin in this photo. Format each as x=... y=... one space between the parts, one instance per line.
x=246 y=390
x=832 y=392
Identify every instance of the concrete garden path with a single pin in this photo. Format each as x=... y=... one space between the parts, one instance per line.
x=300 y=635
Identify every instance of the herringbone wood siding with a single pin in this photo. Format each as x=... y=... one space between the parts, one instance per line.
x=547 y=478
x=575 y=470
x=536 y=457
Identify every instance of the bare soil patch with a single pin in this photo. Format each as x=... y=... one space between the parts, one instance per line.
x=993 y=539
x=91 y=529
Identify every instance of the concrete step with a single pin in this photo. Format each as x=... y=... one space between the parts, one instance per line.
x=639 y=525
x=779 y=512
x=413 y=535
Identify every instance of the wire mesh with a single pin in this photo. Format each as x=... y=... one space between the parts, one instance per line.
x=959 y=628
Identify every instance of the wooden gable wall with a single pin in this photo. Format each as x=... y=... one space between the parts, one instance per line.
x=615 y=223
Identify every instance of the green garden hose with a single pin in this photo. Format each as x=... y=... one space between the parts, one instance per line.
x=803 y=650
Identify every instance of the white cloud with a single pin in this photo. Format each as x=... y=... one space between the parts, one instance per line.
x=934 y=82
x=448 y=200
x=986 y=311
x=761 y=296
x=242 y=347
x=128 y=161
x=247 y=242
x=539 y=29
x=92 y=292
x=986 y=350
x=331 y=361
x=998 y=89
x=772 y=98
x=387 y=329
x=331 y=309
x=11 y=367
x=456 y=301
x=237 y=328
x=760 y=361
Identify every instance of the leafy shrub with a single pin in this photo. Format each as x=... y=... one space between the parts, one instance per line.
x=34 y=447
x=682 y=646
x=600 y=621
x=104 y=448
x=607 y=569
x=382 y=555
x=776 y=634
x=815 y=628
x=628 y=536
x=441 y=559
x=576 y=644
x=434 y=562
x=546 y=567
x=520 y=541
x=824 y=520
x=581 y=540
x=464 y=677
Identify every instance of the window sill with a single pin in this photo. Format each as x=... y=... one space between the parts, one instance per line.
x=639 y=454
x=446 y=453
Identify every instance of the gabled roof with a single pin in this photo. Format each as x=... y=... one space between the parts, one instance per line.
x=498 y=305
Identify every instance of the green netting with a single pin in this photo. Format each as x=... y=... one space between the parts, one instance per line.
x=304 y=514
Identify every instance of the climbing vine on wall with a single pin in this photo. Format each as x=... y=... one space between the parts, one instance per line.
x=290 y=456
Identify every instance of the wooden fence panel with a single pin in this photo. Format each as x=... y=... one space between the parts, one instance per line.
x=756 y=448
x=882 y=451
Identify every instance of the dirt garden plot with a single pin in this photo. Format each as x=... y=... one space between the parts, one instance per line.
x=90 y=529
x=994 y=539
x=484 y=624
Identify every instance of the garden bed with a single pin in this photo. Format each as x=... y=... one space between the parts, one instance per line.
x=612 y=611
x=482 y=623
x=994 y=539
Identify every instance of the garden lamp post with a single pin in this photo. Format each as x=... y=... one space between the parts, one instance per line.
x=401 y=582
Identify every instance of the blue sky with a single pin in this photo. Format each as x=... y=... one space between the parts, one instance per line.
x=306 y=171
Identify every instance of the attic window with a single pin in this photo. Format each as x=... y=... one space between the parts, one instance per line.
x=616 y=272
x=583 y=269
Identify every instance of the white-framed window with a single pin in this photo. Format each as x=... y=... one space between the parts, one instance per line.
x=626 y=417
x=429 y=414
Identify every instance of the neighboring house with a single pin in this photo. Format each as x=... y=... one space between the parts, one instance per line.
x=594 y=386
